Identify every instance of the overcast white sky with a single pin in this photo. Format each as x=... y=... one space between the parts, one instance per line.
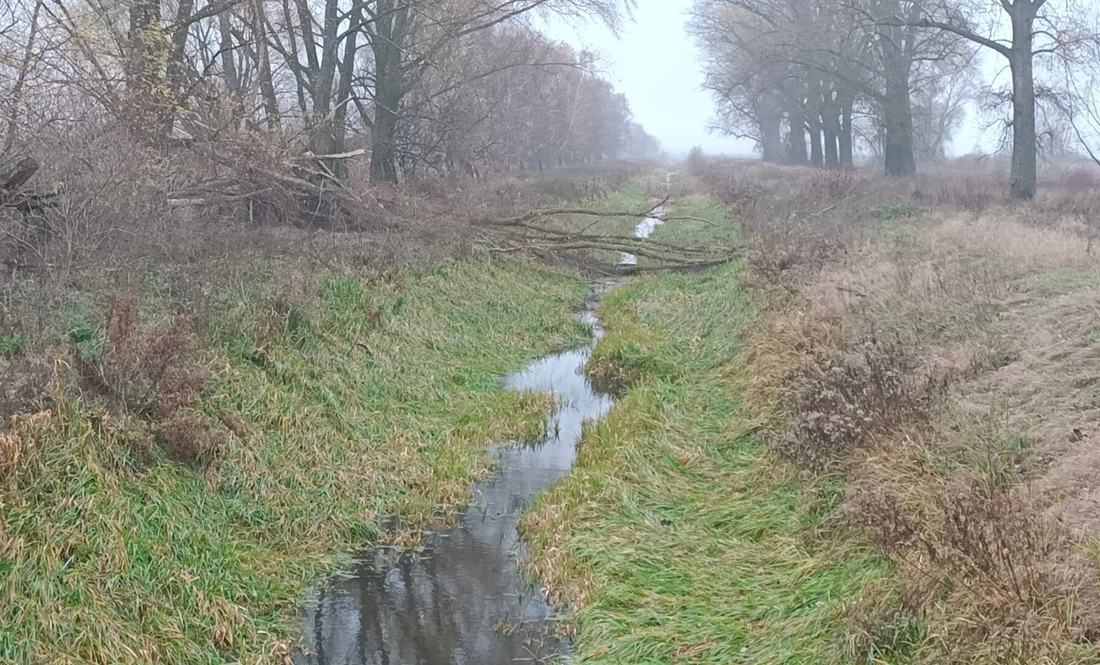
x=655 y=63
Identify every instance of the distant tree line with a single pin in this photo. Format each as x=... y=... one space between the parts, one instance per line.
x=809 y=80
x=422 y=87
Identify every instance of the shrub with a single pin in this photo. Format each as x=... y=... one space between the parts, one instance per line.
x=987 y=542
x=152 y=371
x=1080 y=180
x=830 y=185
x=739 y=194
x=971 y=194
x=837 y=403
x=155 y=372
x=992 y=536
x=777 y=253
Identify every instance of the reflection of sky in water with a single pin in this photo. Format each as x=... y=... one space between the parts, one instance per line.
x=449 y=603
x=644 y=229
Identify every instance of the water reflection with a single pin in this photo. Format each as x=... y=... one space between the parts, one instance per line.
x=462 y=600
x=644 y=229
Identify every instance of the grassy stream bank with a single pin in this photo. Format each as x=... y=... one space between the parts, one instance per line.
x=868 y=441
x=365 y=398
x=676 y=536
x=872 y=443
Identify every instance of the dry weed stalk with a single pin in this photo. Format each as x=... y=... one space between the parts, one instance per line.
x=837 y=403
x=155 y=372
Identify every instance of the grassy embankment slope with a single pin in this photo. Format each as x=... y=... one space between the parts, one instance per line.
x=922 y=353
x=677 y=536
x=368 y=397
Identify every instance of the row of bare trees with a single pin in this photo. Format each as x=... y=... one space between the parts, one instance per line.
x=894 y=73
x=418 y=87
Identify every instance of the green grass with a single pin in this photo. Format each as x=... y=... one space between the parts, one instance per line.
x=362 y=398
x=677 y=538
x=888 y=212
x=12 y=344
x=699 y=220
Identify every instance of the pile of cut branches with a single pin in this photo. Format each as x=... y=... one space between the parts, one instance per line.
x=274 y=183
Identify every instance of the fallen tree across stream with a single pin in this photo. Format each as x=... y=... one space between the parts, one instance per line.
x=543 y=233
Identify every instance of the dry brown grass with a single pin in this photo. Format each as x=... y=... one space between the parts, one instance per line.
x=839 y=402
x=18 y=442
x=986 y=499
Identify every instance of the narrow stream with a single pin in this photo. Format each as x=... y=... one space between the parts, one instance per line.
x=462 y=599
x=644 y=229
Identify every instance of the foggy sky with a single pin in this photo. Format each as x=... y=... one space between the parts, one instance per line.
x=654 y=62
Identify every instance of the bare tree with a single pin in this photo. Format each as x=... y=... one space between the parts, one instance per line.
x=278 y=103
x=807 y=65
x=1035 y=31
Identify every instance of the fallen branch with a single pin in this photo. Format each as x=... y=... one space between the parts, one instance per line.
x=850 y=197
x=553 y=212
x=343 y=155
x=684 y=267
x=533 y=232
x=685 y=218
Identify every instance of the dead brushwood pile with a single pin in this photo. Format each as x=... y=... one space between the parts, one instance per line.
x=935 y=346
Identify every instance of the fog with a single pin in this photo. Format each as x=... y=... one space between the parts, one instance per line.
x=656 y=64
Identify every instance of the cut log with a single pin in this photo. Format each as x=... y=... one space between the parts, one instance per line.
x=15 y=177
x=13 y=194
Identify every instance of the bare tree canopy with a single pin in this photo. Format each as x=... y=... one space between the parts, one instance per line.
x=782 y=70
x=301 y=88
x=894 y=72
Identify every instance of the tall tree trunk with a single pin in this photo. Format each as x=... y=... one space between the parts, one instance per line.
x=177 y=62
x=816 y=157
x=15 y=99
x=845 y=137
x=898 y=120
x=771 y=139
x=830 y=129
x=383 y=164
x=148 y=97
x=263 y=63
x=769 y=119
x=229 y=64
x=897 y=52
x=796 y=137
x=389 y=89
x=323 y=140
x=1024 y=180
x=339 y=125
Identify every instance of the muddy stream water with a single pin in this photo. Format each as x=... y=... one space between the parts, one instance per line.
x=462 y=599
